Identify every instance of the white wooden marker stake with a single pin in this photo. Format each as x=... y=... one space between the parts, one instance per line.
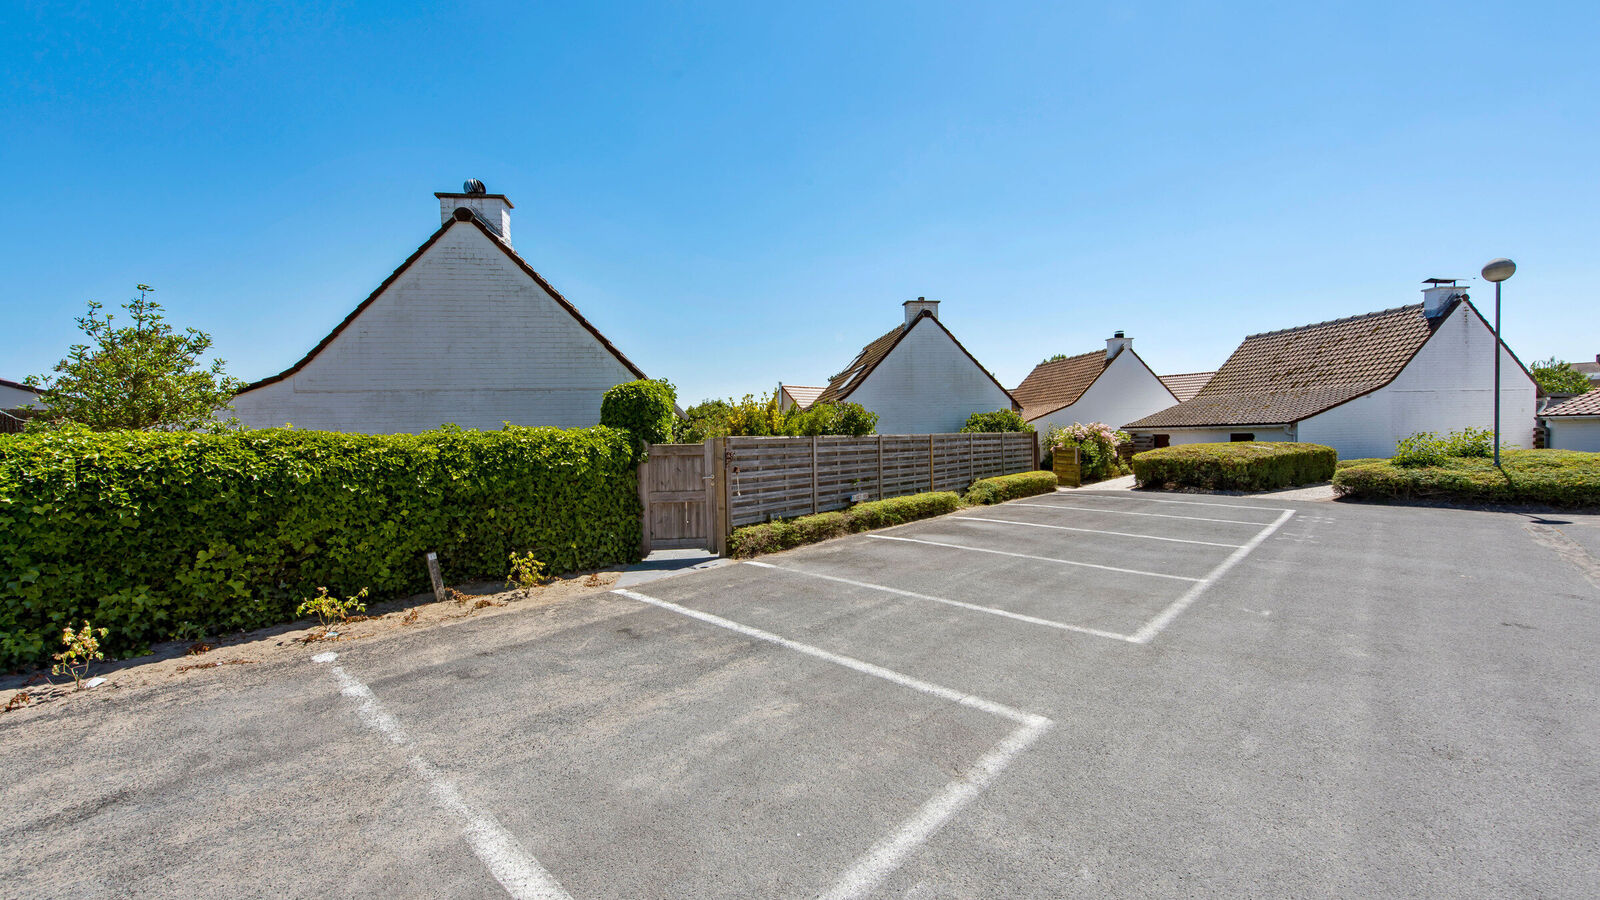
x=433 y=573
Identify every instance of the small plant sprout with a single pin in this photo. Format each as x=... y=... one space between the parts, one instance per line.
x=330 y=610
x=80 y=649
x=526 y=571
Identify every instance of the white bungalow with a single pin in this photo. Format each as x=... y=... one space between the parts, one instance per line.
x=1113 y=386
x=918 y=378
x=1573 y=424
x=465 y=331
x=1360 y=384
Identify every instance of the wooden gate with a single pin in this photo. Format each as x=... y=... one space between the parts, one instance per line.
x=673 y=486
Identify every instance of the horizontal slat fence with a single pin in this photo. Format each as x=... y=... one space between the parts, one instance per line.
x=779 y=477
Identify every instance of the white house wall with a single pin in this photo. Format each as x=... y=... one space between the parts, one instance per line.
x=1221 y=435
x=1447 y=386
x=1567 y=433
x=1126 y=391
x=927 y=384
x=462 y=336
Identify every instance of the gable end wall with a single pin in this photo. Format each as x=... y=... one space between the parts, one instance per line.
x=927 y=384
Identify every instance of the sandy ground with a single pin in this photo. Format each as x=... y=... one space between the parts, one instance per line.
x=173 y=660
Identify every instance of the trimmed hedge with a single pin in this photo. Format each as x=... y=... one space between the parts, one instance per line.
x=1366 y=461
x=1239 y=466
x=1547 y=477
x=1009 y=487
x=770 y=537
x=645 y=409
x=165 y=535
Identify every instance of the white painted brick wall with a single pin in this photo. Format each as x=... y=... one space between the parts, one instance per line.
x=927 y=385
x=462 y=336
x=1125 y=392
x=1574 y=434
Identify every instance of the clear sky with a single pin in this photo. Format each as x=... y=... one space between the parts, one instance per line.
x=742 y=193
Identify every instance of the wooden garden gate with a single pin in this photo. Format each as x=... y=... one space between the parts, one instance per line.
x=674 y=483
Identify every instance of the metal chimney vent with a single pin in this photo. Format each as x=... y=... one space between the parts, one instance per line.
x=473 y=186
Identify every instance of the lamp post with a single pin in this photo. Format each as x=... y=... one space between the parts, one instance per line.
x=1497 y=270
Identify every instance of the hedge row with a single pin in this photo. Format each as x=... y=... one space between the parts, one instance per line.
x=770 y=537
x=1547 y=477
x=1009 y=487
x=1240 y=466
x=159 y=536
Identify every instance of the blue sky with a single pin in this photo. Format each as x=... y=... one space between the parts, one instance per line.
x=738 y=194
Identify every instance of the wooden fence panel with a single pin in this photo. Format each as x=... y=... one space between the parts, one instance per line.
x=780 y=477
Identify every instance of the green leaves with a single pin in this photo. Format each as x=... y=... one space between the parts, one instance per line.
x=644 y=409
x=1240 y=466
x=999 y=420
x=146 y=531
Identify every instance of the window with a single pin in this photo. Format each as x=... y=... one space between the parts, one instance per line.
x=1161 y=440
x=1242 y=436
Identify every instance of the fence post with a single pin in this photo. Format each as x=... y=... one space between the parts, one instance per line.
x=880 y=467
x=972 y=463
x=644 y=504
x=724 y=527
x=1036 y=451
x=813 y=474
x=713 y=487
x=930 y=462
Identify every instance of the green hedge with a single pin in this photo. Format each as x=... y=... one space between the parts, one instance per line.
x=645 y=409
x=1010 y=487
x=161 y=535
x=1240 y=466
x=1549 y=477
x=770 y=537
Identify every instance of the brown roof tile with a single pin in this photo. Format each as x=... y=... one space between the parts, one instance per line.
x=1285 y=376
x=1581 y=405
x=1053 y=385
x=1186 y=385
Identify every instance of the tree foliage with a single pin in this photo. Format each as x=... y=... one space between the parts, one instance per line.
x=1556 y=376
x=762 y=417
x=999 y=420
x=645 y=409
x=141 y=376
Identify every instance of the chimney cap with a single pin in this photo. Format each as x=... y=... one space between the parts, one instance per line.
x=473 y=186
x=1440 y=281
x=1118 y=335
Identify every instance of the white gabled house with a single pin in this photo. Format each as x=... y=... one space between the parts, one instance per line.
x=1360 y=384
x=1113 y=386
x=465 y=331
x=1573 y=424
x=918 y=378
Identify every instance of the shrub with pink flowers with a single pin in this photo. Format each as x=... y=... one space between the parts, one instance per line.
x=1097 y=444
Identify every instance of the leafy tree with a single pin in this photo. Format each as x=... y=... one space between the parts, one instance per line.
x=142 y=376
x=999 y=420
x=1056 y=358
x=1557 y=376
x=752 y=416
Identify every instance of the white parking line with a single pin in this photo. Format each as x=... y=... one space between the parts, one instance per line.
x=1147 y=537
x=1129 y=512
x=1120 y=496
x=1032 y=620
x=1154 y=626
x=511 y=865
x=1065 y=562
x=888 y=854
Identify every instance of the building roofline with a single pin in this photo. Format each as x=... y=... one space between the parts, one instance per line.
x=905 y=330
x=6 y=382
x=462 y=214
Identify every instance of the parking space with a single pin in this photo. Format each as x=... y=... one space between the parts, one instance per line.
x=1086 y=694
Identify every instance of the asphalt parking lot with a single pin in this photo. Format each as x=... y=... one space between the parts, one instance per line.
x=1083 y=693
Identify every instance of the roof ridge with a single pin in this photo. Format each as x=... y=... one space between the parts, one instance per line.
x=1370 y=315
x=1186 y=374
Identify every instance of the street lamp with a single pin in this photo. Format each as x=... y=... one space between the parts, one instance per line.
x=1497 y=270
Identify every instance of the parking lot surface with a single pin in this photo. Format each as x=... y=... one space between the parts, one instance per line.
x=1096 y=694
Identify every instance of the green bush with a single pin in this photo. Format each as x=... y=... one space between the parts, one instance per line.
x=160 y=534
x=1010 y=487
x=752 y=417
x=770 y=537
x=645 y=409
x=999 y=420
x=1098 y=445
x=1547 y=477
x=1240 y=466
x=1426 y=448
x=1347 y=463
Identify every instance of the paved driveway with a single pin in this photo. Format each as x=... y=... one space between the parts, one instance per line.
x=1097 y=694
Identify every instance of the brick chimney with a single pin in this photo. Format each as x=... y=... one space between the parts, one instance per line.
x=1116 y=344
x=493 y=209
x=916 y=307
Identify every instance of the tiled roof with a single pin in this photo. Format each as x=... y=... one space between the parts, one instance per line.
x=1285 y=376
x=1581 y=405
x=840 y=385
x=1591 y=369
x=1186 y=385
x=1053 y=385
x=802 y=395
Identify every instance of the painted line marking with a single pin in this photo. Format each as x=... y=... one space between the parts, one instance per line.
x=1154 y=626
x=1129 y=512
x=1120 y=496
x=1032 y=620
x=884 y=857
x=511 y=865
x=1148 y=537
x=1065 y=562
